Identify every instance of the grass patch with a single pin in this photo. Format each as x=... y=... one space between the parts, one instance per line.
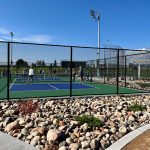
x=90 y=120
x=136 y=107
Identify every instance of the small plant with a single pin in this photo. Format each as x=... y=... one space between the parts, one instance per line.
x=90 y=120
x=136 y=107
x=28 y=107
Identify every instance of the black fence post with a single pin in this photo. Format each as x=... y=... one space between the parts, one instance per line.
x=35 y=70
x=71 y=71
x=125 y=74
x=51 y=72
x=8 y=69
x=104 y=70
x=118 y=72
x=147 y=68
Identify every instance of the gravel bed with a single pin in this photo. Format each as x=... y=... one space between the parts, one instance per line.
x=54 y=127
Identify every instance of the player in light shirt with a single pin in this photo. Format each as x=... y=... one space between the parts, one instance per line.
x=31 y=73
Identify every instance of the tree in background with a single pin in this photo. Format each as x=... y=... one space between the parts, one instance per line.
x=55 y=63
x=21 y=63
x=40 y=63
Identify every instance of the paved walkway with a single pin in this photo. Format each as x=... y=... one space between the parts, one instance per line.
x=121 y=143
x=142 y=142
x=8 y=142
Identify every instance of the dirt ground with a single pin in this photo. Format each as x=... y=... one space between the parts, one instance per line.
x=142 y=142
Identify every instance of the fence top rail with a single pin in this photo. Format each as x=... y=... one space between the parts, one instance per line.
x=75 y=46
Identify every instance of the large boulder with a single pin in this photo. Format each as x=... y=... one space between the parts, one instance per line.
x=55 y=135
x=39 y=130
x=12 y=126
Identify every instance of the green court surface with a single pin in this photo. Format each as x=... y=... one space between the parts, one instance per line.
x=96 y=89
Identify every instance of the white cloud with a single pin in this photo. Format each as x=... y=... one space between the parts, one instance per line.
x=143 y=49
x=4 y=34
x=2 y=39
x=43 y=39
x=137 y=51
x=4 y=31
x=35 y=39
x=39 y=38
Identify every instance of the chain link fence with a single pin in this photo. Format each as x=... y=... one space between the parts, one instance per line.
x=60 y=71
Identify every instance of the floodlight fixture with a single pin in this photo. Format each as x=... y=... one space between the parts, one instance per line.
x=11 y=35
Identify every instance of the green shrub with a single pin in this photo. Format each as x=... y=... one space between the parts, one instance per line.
x=136 y=107
x=90 y=120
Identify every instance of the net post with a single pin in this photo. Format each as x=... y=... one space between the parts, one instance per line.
x=8 y=69
x=117 y=72
x=71 y=49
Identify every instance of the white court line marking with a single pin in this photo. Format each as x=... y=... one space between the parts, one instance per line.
x=12 y=84
x=53 y=86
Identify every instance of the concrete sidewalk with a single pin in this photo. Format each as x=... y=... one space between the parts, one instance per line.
x=118 y=145
x=8 y=142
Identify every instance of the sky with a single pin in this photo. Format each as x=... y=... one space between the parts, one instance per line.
x=125 y=23
x=67 y=22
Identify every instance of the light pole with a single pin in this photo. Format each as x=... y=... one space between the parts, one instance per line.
x=96 y=16
x=11 y=50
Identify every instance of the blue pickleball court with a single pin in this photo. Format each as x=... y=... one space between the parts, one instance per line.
x=45 y=86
